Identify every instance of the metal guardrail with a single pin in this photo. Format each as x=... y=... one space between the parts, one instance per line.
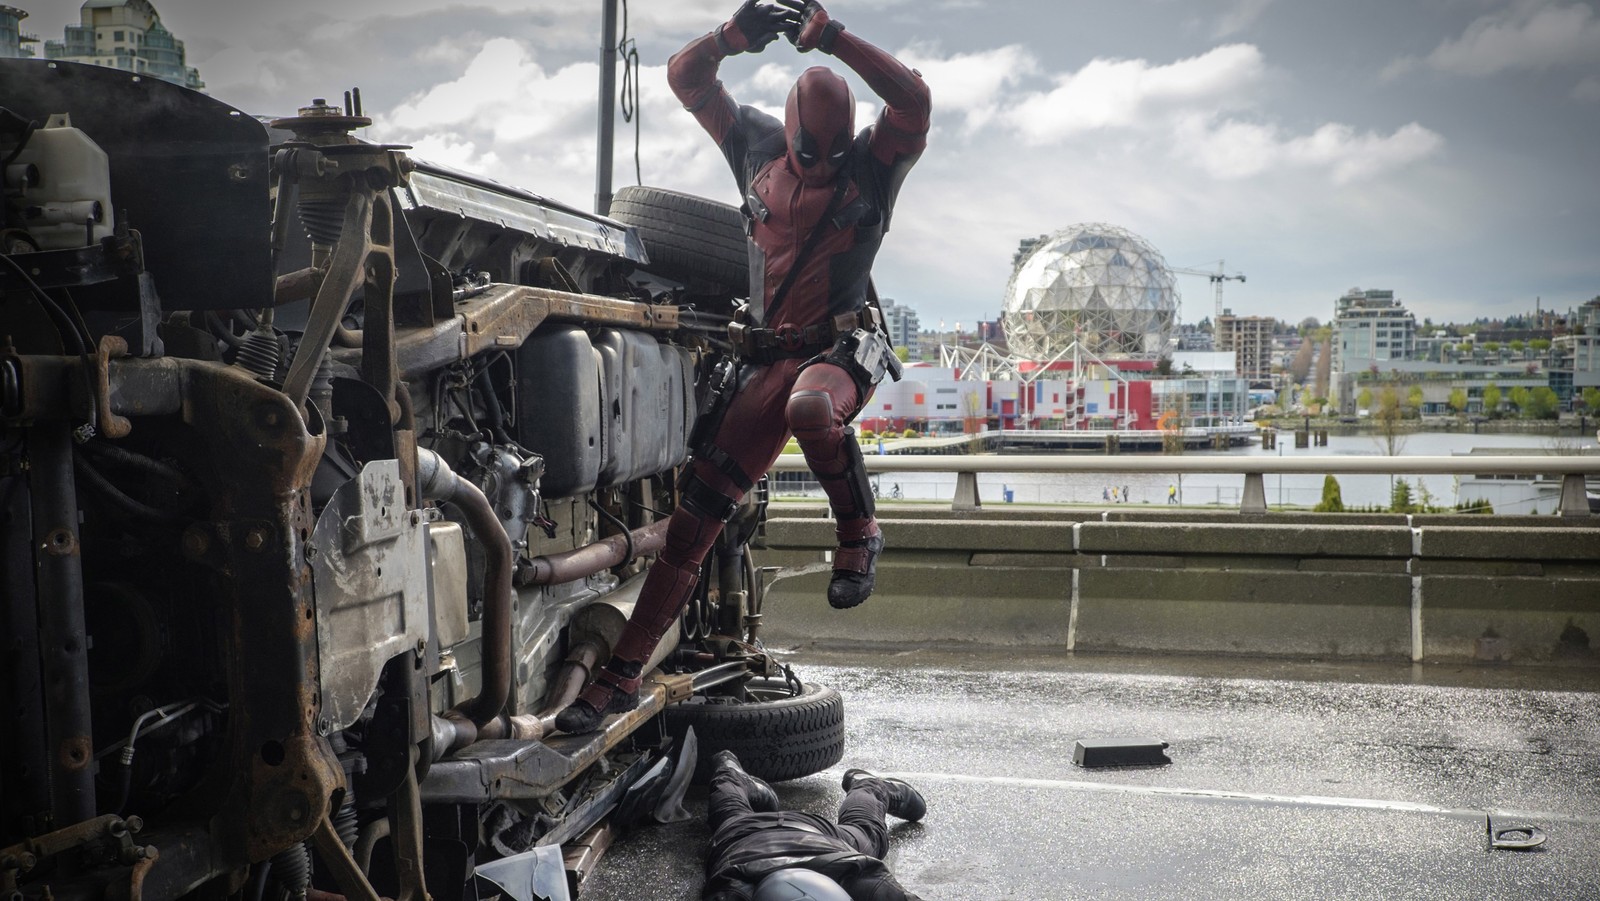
x=1571 y=468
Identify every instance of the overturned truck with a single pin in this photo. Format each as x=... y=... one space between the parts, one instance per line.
x=326 y=477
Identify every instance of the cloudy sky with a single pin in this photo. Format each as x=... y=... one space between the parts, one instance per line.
x=1447 y=149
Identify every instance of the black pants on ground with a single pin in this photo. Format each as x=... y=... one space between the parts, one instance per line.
x=747 y=843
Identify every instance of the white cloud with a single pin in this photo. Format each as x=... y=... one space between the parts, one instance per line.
x=1527 y=36
x=1123 y=93
x=971 y=84
x=1235 y=150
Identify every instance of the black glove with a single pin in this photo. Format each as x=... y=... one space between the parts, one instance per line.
x=814 y=29
x=754 y=26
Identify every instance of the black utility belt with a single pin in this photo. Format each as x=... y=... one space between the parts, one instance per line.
x=787 y=342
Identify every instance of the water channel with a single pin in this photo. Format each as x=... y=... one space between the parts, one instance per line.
x=1224 y=490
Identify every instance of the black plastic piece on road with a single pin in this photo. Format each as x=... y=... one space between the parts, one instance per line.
x=1517 y=837
x=1093 y=753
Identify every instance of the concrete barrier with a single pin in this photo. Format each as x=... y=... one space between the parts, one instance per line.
x=1305 y=585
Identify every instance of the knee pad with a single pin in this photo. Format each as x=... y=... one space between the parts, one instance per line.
x=810 y=411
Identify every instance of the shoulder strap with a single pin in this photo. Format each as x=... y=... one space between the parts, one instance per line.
x=844 y=176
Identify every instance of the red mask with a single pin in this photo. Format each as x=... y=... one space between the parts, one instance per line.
x=819 y=123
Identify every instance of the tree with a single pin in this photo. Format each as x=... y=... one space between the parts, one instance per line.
x=1400 y=497
x=1591 y=399
x=1542 y=403
x=1540 y=344
x=1414 y=398
x=1332 y=499
x=1517 y=345
x=1491 y=399
x=1388 y=416
x=1364 y=399
x=904 y=353
x=1519 y=399
x=1324 y=365
x=1458 y=400
x=1300 y=366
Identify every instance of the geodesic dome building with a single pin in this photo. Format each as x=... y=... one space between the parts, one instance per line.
x=1097 y=284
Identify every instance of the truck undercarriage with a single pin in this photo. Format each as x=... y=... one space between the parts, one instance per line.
x=326 y=477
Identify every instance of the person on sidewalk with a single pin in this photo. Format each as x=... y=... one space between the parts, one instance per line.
x=819 y=198
x=761 y=853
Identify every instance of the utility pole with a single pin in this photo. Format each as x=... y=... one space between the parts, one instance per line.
x=608 y=112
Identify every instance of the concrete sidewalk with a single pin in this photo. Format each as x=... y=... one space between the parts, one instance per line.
x=1289 y=779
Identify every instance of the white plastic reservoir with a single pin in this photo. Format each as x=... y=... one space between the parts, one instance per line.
x=69 y=205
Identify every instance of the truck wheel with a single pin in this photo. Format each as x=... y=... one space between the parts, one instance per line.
x=690 y=239
x=776 y=735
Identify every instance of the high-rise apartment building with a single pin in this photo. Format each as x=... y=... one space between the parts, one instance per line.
x=902 y=323
x=1249 y=339
x=13 y=40
x=1371 y=327
x=1582 y=346
x=126 y=35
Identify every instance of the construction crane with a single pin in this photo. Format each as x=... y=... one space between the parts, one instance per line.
x=1217 y=278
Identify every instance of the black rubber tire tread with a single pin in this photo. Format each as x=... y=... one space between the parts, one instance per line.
x=776 y=740
x=689 y=238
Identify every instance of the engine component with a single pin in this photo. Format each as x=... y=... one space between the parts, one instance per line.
x=558 y=408
x=511 y=484
x=447 y=567
x=69 y=202
x=372 y=600
x=438 y=482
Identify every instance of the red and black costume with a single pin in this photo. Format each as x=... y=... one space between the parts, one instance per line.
x=819 y=199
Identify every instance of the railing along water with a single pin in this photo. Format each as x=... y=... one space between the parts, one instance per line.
x=1571 y=468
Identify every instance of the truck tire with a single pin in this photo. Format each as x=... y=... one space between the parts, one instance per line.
x=776 y=736
x=690 y=239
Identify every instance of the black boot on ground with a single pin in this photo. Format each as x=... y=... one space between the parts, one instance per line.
x=762 y=798
x=904 y=801
x=853 y=584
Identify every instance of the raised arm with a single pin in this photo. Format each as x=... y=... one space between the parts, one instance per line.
x=903 y=126
x=692 y=71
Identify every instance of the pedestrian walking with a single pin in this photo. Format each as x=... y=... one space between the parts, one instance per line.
x=1172 y=494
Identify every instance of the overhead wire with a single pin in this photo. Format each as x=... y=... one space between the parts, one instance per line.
x=628 y=50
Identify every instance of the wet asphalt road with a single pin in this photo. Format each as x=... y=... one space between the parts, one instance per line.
x=1289 y=780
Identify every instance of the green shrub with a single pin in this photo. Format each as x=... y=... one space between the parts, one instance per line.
x=1400 y=498
x=910 y=433
x=1332 y=499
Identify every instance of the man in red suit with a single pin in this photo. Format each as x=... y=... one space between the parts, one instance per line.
x=819 y=197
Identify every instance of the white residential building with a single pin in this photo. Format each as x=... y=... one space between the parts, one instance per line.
x=126 y=35
x=1371 y=327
